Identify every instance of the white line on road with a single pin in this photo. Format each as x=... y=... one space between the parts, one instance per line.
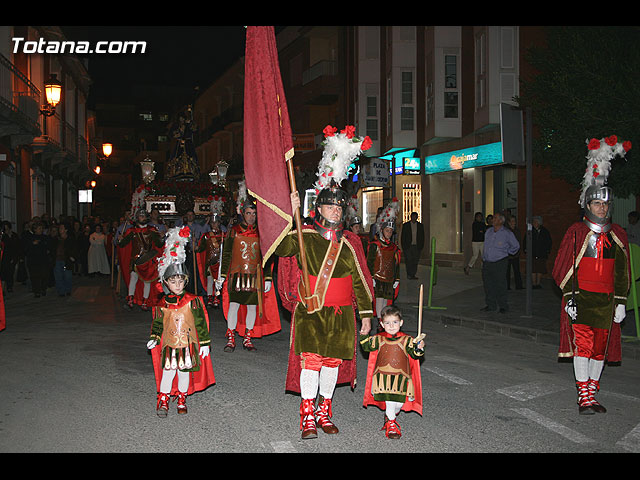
x=566 y=432
x=283 y=447
x=527 y=391
x=631 y=441
x=448 y=376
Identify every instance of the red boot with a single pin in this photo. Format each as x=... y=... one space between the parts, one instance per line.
x=246 y=342
x=594 y=386
x=231 y=340
x=391 y=428
x=323 y=415
x=585 y=400
x=162 y=407
x=307 y=421
x=182 y=403
x=129 y=302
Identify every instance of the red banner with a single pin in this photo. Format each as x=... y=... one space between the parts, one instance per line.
x=268 y=140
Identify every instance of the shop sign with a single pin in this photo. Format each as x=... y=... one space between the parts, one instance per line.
x=476 y=156
x=376 y=173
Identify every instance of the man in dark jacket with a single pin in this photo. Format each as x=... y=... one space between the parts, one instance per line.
x=412 y=243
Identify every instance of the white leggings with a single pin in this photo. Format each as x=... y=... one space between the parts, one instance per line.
x=392 y=409
x=380 y=304
x=167 y=380
x=232 y=316
x=133 y=279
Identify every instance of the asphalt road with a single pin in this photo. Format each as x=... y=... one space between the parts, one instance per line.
x=76 y=377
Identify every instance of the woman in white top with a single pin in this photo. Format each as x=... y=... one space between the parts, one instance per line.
x=97 y=261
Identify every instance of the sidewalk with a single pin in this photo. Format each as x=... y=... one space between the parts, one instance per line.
x=463 y=297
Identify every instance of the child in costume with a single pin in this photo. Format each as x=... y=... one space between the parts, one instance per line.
x=179 y=340
x=393 y=373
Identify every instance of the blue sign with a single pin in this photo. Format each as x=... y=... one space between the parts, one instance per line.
x=476 y=156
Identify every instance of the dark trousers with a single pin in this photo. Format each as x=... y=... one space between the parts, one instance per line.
x=494 y=278
x=514 y=264
x=411 y=259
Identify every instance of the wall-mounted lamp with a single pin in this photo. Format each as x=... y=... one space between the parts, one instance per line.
x=53 y=93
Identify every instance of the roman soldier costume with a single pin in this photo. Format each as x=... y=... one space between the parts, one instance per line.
x=393 y=375
x=383 y=259
x=249 y=303
x=208 y=254
x=140 y=246
x=179 y=339
x=323 y=329
x=592 y=270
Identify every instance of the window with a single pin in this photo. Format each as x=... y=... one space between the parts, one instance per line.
x=451 y=86
x=406 y=109
x=146 y=116
x=480 y=70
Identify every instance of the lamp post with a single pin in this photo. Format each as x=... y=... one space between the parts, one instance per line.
x=53 y=95
x=222 y=167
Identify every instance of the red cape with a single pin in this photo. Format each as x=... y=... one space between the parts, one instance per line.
x=200 y=265
x=124 y=260
x=199 y=380
x=266 y=324
x=563 y=264
x=414 y=405
x=288 y=277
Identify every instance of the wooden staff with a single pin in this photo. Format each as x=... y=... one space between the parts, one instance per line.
x=303 y=255
x=420 y=313
x=113 y=254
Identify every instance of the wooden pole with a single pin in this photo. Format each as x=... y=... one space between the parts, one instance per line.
x=420 y=312
x=303 y=256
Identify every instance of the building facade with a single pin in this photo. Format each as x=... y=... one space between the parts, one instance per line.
x=44 y=160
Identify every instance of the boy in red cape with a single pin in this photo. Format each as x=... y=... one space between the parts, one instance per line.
x=393 y=372
x=179 y=340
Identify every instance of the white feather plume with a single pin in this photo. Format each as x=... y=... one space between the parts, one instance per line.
x=175 y=241
x=599 y=157
x=339 y=152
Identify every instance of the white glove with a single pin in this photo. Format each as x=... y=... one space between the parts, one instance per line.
x=621 y=312
x=267 y=285
x=219 y=283
x=395 y=284
x=204 y=351
x=571 y=309
x=151 y=344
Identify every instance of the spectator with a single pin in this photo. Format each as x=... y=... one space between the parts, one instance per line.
x=514 y=260
x=83 y=243
x=412 y=242
x=10 y=255
x=633 y=229
x=64 y=252
x=37 y=259
x=478 y=229
x=541 y=247
x=499 y=243
x=97 y=261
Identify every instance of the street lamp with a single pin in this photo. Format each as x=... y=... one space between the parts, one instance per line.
x=148 y=173
x=222 y=168
x=53 y=93
x=107 y=149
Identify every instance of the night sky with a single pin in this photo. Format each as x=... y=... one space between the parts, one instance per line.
x=179 y=56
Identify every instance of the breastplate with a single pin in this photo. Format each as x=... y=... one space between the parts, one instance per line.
x=383 y=267
x=179 y=328
x=392 y=359
x=245 y=255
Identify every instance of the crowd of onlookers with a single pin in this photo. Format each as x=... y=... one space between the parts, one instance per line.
x=47 y=252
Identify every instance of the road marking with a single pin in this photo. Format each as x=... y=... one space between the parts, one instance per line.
x=566 y=432
x=283 y=447
x=527 y=391
x=448 y=376
x=631 y=441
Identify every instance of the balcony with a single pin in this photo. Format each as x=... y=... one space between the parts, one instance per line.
x=19 y=103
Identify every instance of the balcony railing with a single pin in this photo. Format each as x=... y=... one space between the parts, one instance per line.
x=18 y=93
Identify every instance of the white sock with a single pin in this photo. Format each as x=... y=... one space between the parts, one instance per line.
x=183 y=381
x=328 y=380
x=595 y=368
x=232 y=315
x=250 y=319
x=167 y=380
x=308 y=384
x=146 y=290
x=581 y=368
x=392 y=409
x=210 y=285
x=133 y=279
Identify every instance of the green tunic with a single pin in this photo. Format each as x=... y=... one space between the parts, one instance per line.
x=329 y=332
